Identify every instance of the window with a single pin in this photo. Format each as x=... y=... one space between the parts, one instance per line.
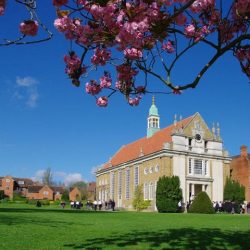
x=151 y=191
x=205 y=168
x=151 y=170
x=120 y=184
x=21 y=182
x=190 y=143
x=157 y=168
x=127 y=178
x=112 y=185
x=145 y=170
x=7 y=180
x=45 y=193
x=198 y=166
x=145 y=191
x=190 y=166
x=136 y=176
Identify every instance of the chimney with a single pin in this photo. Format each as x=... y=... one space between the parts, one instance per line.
x=243 y=151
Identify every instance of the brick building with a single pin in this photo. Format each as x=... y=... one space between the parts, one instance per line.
x=187 y=148
x=75 y=194
x=29 y=189
x=240 y=170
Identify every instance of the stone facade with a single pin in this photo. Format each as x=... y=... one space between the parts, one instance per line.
x=240 y=170
x=187 y=148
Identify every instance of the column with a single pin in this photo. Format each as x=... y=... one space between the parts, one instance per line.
x=203 y=188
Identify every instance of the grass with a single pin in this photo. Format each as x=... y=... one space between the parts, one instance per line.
x=24 y=227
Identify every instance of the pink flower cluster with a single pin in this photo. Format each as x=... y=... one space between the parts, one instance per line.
x=134 y=101
x=29 y=27
x=200 y=5
x=102 y=101
x=133 y=53
x=197 y=33
x=59 y=3
x=168 y=46
x=92 y=87
x=100 y=57
x=243 y=55
x=2 y=7
x=74 y=68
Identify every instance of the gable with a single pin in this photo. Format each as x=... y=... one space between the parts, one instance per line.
x=198 y=125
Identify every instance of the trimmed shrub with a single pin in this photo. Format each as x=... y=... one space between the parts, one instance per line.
x=168 y=194
x=139 y=203
x=233 y=191
x=201 y=204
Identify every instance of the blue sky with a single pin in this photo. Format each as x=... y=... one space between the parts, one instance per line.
x=47 y=122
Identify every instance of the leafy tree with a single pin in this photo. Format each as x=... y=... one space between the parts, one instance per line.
x=142 y=39
x=168 y=194
x=201 y=204
x=47 y=177
x=138 y=202
x=233 y=191
x=82 y=186
x=2 y=196
x=65 y=195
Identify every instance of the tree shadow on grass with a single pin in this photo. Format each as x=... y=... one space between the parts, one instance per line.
x=185 y=238
x=45 y=210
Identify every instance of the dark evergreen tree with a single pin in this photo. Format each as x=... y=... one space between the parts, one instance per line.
x=2 y=196
x=65 y=195
x=201 y=204
x=233 y=191
x=168 y=194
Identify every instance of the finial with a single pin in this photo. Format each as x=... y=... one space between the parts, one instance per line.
x=153 y=100
x=213 y=129
x=218 y=130
x=175 y=119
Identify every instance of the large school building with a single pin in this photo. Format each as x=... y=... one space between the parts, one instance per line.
x=187 y=148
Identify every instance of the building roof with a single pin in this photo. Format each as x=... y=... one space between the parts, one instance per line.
x=146 y=146
x=26 y=181
x=58 y=189
x=34 y=189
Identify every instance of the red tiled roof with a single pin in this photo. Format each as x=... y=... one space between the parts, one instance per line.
x=145 y=145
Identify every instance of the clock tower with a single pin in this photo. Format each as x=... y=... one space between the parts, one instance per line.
x=153 y=119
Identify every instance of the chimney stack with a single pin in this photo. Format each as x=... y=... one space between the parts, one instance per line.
x=243 y=151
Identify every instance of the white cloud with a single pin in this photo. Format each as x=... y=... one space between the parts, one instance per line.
x=66 y=178
x=38 y=175
x=72 y=178
x=27 y=90
x=26 y=81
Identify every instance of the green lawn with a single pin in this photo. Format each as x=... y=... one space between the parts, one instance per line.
x=25 y=227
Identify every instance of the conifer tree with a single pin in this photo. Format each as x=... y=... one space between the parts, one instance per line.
x=168 y=194
x=139 y=203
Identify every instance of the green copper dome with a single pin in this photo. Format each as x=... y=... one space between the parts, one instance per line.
x=153 y=109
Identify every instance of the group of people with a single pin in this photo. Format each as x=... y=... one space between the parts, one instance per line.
x=76 y=204
x=99 y=205
x=231 y=207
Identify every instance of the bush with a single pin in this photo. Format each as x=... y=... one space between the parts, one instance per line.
x=17 y=196
x=45 y=202
x=233 y=191
x=201 y=204
x=139 y=203
x=2 y=196
x=168 y=194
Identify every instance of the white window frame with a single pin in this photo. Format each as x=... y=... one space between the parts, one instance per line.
x=127 y=183
x=136 y=176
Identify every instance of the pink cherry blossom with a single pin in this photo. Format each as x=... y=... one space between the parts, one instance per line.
x=92 y=87
x=133 y=53
x=105 y=81
x=29 y=27
x=134 y=101
x=168 y=46
x=102 y=101
x=100 y=57
x=59 y=3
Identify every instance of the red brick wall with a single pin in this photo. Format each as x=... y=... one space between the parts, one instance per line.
x=74 y=194
x=240 y=169
x=8 y=186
